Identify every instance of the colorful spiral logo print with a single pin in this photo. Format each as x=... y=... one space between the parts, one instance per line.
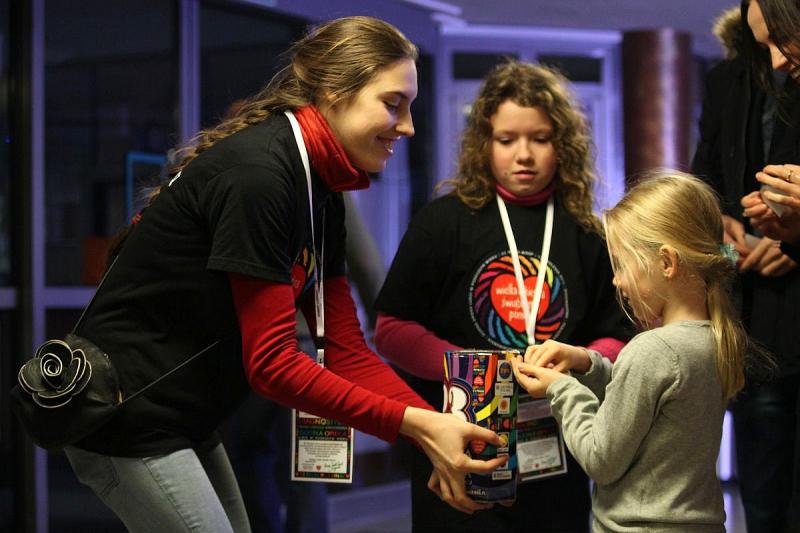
x=496 y=307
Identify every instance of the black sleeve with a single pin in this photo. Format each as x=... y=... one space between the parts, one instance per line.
x=251 y=214
x=412 y=284
x=792 y=250
x=706 y=162
x=607 y=319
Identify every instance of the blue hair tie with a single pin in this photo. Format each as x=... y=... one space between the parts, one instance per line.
x=729 y=252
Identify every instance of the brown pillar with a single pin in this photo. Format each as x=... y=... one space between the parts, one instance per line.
x=656 y=91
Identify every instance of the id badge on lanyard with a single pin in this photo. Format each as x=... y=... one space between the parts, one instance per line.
x=322 y=448
x=540 y=444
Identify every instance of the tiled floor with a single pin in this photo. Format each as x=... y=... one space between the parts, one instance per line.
x=382 y=509
x=378 y=517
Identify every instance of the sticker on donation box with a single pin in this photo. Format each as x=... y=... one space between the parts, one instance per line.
x=540 y=445
x=322 y=449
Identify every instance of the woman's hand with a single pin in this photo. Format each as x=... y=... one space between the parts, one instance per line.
x=558 y=356
x=786 y=227
x=786 y=180
x=755 y=209
x=535 y=379
x=443 y=437
x=768 y=260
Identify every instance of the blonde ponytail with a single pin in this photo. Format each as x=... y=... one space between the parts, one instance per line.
x=729 y=337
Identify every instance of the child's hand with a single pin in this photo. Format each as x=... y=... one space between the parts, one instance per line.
x=535 y=379
x=558 y=356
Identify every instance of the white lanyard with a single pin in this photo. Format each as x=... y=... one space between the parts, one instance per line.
x=327 y=454
x=530 y=315
x=319 y=298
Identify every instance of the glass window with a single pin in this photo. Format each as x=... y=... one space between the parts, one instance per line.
x=476 y=65
x=422 y=146
x=111 y=78
x=5 y=144
x=240 y=51
x=11 y=466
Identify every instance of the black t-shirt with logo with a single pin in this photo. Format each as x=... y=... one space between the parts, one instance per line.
x=240 y=206
x=454 y=275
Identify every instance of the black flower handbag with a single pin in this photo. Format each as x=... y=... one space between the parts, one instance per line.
x=69 y=389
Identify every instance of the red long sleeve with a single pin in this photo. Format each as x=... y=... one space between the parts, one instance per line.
x=412 y=347
x=276 y=369
x=418 y=351
x=608 y=347
x=347 y=354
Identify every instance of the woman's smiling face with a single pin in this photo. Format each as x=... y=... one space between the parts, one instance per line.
x=368 y=124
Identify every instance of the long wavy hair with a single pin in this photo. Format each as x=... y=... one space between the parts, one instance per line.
x=681 y=211
x=334 y=60
x=529 y=85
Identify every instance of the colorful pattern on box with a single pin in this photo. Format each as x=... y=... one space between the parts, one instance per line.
x=480 y=388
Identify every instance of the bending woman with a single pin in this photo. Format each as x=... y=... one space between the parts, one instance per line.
x=225 y=252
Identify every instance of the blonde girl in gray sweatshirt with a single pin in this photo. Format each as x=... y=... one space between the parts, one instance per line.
x=647 y=429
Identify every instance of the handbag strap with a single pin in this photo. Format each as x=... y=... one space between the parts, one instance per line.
x=163 y=376
x=166 y=375
x=89 y=305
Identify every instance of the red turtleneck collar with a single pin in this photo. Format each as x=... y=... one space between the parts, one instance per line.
x=533 y=199
x=326 y=153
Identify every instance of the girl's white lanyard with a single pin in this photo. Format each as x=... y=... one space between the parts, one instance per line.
x=319 y=298
x=529 y=314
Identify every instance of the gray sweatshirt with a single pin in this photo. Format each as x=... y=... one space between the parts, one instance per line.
x=647 y=430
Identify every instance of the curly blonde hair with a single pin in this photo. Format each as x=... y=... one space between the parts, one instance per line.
x=336 y=58
x=529 y=85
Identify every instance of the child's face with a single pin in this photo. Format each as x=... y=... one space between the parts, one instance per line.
x=642 y=286
x=522 y=155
